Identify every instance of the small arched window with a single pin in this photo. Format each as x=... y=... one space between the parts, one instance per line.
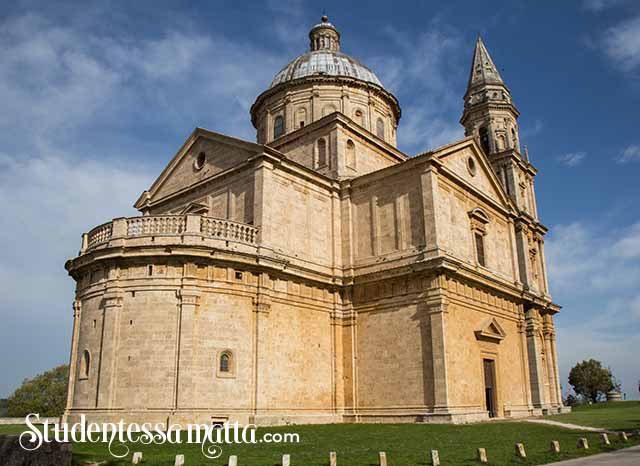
x=224 y=362
x=380 y=128
x=278 y=127
x=350 y=158
x=322 y=152
x=514 y=138
x=85 y=364
x=484 y=139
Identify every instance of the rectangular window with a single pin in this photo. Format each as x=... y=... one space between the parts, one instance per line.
x=480 y=249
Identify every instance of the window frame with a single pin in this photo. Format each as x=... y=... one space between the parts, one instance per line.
x=278 y=126
x=325 y=153
x=230 y=373
x=380 y=128
x=85 y=365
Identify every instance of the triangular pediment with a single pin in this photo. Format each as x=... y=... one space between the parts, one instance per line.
x=468 y=164
x=203 y=155
x=196 y=208
x=490 y=330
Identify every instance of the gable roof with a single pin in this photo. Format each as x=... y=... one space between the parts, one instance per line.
x=448 y=153
x=243 y=147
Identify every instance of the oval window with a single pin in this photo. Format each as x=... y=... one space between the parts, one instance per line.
x=200 y=160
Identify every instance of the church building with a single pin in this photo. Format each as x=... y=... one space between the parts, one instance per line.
x=321 y=275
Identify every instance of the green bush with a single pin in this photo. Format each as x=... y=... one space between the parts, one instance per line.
x=45 y=394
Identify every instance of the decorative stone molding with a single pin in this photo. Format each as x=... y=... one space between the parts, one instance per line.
x=112 y=300
x=479 y=220
x=491 y=330
x=188 y=297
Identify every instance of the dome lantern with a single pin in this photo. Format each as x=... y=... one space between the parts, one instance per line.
x=324 y=36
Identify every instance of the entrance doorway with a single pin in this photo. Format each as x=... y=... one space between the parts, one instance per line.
x=490 y=386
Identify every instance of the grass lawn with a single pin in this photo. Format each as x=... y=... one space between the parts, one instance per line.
x=359 y=444
x=405 y=444
x=621 y=415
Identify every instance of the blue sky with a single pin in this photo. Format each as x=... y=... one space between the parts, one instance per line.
x=96 y=98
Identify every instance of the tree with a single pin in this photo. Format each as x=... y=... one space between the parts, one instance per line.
x=45 y=394
x=590 y=379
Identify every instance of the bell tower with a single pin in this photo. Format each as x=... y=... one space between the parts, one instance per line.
x=491 y=117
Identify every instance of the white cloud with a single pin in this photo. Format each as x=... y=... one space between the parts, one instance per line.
x=628 y=245
x=621 y=44
x=73 y=104
x=630 y=154
x=47 y=202
x=594 y=273
x=572 y=159
x=423 y=66
x=532 y=130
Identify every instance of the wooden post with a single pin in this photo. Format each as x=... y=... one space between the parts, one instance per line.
x=435 y=458
x=482 y=455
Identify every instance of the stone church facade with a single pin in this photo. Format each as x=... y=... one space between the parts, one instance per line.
x=321 y=275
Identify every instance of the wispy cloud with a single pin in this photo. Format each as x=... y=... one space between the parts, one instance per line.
x=621 y=43
x=423 y=66
x=629 y=154
x=597 y=6
x=532 y=129
x=603 y=319
x=73 y=108
x=572 y=159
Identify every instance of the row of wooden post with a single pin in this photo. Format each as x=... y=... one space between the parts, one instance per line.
x=481 y=456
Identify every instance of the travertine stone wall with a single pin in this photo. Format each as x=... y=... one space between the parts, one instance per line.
x=386 y=217
x=301 y=216
x=308 y=101
x=351 y=151
x=469 y=311
x=162 y=331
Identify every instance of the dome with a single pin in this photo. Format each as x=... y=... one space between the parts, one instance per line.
x=326 y=63
x=324 y=59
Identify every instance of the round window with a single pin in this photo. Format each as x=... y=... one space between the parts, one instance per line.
x=471 y=165
x=199 y=162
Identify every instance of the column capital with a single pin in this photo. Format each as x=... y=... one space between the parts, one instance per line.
x=191 y=297
x=77 y=308
x=112 y=299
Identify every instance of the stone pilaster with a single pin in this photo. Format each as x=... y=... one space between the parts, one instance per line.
x=73 y=358
x=261 y=311
x=553 y=354
x=108 y=359
x=187 y=336
x=526 y=388
x=534 y=359
x=430 y=206
x=522 y=247
x=437 y=307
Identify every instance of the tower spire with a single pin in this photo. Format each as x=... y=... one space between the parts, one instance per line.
x=483 y=70
x=489 y=113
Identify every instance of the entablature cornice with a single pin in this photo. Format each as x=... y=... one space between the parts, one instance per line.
x=316 y=80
